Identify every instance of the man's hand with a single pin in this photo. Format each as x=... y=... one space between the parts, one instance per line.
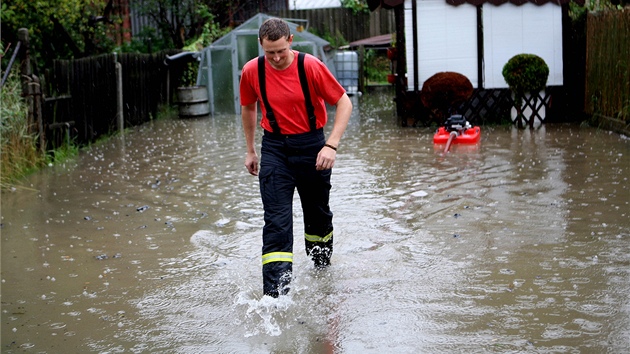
x=251 y=163
x=248 y=115
x=328 y=154
x=325 y=159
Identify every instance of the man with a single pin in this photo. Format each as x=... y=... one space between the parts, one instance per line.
x=294 y=152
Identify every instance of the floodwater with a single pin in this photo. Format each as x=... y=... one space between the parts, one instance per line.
x=150 y=242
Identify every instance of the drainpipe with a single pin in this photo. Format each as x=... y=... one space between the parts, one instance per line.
x=414 y=22
x=401 y=65
x=480 y=58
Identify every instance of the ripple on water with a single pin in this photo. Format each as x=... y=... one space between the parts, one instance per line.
x=594 y=309
x=154 y=304
x=57 y=325
x=559 y=332
x=590 y=327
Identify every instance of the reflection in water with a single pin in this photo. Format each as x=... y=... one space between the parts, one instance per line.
x=151 y=243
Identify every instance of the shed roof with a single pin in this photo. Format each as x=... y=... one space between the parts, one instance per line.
x=383 y=40
x=514 y=2
x=388 y=4
x=313 y=4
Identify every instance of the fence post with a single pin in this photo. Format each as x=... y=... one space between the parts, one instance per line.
x=119 y=96
x=37 y=110
x=31 y=90
x=168 y=86
x=25 y=75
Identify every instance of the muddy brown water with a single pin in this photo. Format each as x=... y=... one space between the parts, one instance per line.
x=150 y=242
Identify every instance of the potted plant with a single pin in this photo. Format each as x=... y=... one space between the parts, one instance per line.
x=391 y=50
x=526 y=75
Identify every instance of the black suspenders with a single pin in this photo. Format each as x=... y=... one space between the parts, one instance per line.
x=310 y=110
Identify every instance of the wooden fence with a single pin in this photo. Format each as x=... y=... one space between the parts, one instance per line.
x=81 y=95
x=341 y=20
x=607 y=94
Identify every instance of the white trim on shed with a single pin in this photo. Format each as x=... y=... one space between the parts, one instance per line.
x=313 y=4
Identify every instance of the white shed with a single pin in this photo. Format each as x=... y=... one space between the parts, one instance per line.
x=476 y=38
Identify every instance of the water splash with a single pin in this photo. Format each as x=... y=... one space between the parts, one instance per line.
x=266 y=315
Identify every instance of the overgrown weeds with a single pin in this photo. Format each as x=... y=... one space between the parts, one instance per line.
x=20 y=154
x=19 y=151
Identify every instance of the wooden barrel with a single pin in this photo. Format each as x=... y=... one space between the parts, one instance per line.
x=193 y=101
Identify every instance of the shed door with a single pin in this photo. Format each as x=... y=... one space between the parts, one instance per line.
x=528 y=28
x=447 y=40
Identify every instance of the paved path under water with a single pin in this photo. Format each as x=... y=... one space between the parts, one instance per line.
x=151 y=243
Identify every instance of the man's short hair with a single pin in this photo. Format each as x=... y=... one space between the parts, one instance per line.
x=274 y=29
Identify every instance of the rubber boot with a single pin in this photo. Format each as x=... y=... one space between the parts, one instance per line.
x=276 y=278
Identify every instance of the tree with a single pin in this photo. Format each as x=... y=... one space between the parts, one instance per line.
x=60 y=29
x=357 y=6
x=184 y=21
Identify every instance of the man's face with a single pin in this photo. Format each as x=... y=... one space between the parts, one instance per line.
x=278 y=53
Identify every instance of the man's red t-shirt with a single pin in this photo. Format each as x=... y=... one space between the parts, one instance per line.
x=285 y=96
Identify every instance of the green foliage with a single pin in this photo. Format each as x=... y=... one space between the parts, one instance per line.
x=67 y=29
x=57 y=28
x=19 y=151
x=172 y=28
x=210 y=32
x=526 y=73
x=376 y=67
x=357 y=6
x=337 y=40
x=167 y=111
x=211 y=29
x=68 y=150
x=189 y=77
x=148 y=40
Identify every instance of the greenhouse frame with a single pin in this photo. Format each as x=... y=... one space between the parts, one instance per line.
x=221 y=63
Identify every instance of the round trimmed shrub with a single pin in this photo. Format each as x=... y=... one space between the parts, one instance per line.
x=444 y=91
x=526 y=73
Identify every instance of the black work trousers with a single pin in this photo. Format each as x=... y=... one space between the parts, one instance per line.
x=288 y=162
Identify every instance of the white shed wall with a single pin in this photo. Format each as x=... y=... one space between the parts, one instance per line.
x=447 y=40
x=511 y=30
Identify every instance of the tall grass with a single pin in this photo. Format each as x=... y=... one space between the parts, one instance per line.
x=19 y=153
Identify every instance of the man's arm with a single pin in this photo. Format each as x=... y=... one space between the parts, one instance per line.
x=248 y=115
x=342 y=117
x=326 y=157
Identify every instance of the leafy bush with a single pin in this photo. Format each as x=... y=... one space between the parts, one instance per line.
x=376 y=67
x=19 y=148
x=526 y=73
x=444 y=92
x=357 y=6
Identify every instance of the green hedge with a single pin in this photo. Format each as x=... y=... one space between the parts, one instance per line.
x=526 y=73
